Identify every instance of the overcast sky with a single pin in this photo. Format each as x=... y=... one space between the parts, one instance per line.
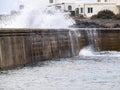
x=7 y=5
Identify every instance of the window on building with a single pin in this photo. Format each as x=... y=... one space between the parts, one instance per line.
x=90 y=10
x=70 y=8
x=50 y=1
x=77 y=11
x=99 y=0
x=81 y=10
x=21 y=7
x=106 y=0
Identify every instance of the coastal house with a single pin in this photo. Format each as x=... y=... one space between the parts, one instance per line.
x=87 y=8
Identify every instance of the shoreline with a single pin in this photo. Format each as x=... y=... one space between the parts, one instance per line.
x=96 y=23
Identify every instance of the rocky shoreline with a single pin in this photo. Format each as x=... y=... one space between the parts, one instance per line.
x=89 y=23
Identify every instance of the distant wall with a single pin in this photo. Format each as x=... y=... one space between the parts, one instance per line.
x=19 y=47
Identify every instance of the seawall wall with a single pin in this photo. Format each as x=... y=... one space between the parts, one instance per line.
x=19 y=47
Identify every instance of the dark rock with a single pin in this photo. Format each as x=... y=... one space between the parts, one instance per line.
x=116 y=26
x=86 y=24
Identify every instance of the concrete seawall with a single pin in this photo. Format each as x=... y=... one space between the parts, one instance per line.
x=24 y=46
x=19 y=47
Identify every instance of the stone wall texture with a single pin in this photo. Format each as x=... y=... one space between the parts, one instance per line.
x=19 y=47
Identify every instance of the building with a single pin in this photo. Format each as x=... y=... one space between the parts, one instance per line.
x=87 y=9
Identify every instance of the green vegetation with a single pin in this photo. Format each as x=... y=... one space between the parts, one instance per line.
x=105 y=14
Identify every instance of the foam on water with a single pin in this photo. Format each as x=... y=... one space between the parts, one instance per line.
x=87 y=51
x=38 y=14
x=90 y=52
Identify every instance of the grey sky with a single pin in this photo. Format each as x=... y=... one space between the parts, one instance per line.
x=7 y=5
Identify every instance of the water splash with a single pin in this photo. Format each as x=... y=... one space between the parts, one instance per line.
x=38 y=14
x=87 y=51
x=92 y=36
x=90 y=52
x=74 y=38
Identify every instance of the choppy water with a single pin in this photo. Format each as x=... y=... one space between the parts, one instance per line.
x=96 y=72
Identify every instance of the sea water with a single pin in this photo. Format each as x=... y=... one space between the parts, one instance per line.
x=85 y=72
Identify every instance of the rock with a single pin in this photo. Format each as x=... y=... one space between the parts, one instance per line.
x=86 y=24
x=116 y=26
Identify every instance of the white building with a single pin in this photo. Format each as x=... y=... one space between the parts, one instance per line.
x=87 y=9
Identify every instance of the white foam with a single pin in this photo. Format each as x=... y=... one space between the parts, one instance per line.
x=37 y=14
x=87 y=51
